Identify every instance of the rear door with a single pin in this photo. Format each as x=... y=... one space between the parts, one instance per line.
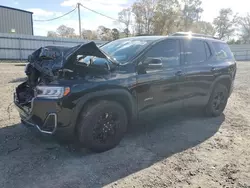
x=198 y=69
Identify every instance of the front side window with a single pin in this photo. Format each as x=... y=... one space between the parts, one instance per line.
x=168 y=51
x=195 y=51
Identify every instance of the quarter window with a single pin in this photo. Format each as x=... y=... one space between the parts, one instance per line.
x=222 y=51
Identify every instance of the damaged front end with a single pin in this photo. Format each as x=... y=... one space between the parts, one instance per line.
x=38 y=98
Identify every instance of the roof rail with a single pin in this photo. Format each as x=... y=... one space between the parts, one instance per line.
x=139 y=35
x=193 y=34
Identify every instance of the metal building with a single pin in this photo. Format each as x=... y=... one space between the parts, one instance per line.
x=15 y=21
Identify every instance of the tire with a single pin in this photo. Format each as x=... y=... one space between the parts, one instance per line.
x=102 y=125
x=217 y=101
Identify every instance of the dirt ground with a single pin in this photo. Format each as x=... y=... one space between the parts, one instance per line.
x=182 y=151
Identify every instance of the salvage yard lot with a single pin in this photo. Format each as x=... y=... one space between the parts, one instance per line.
x=183 y=151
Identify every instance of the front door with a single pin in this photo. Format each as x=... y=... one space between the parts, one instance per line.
x=158 y=86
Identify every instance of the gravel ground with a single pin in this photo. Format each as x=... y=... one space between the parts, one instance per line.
x=183 y=151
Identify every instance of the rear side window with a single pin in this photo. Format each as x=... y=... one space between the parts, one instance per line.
x=195 y=51
x=222 y=51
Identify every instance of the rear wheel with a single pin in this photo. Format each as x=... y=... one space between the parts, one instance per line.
x=102 y=125
x=217 y=101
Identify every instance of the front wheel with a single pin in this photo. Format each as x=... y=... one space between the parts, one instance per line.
x=217 y=101
x=102 y=125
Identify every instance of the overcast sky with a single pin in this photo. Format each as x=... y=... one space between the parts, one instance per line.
x=46 y=9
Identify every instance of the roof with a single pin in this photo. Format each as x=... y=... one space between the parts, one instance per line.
x=179 y=35
x=15 y=9
x=194 y=35
x=200 y=38
x=151 y=37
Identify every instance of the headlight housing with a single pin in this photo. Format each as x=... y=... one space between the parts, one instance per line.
x=52 y=92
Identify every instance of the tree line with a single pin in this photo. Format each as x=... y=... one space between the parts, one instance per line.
x=164 y=17
x=102 y=33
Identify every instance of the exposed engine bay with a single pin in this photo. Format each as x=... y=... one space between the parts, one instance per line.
x=51 y=63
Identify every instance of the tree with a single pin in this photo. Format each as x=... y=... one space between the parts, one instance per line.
x=137 y=9
x=94 y=35
x=144 y=13
x=244 y=23
x=233 y=41
x=191 y=12
x=88 y=34
x=126 y=32
x=204 y=28
x=148 y=11
x=125 y=17
x=225 y=22
x=64 y=31
x=115 y=34
x=166 y=17
x=52 y=34
x=104 y=33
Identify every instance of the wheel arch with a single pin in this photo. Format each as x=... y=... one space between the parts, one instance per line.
x=122 y=96
x=225 y=80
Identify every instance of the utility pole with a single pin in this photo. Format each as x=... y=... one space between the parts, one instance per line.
x=79 y=19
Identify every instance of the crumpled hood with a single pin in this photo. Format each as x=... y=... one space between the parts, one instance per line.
x=89 y=49
x=50 y=58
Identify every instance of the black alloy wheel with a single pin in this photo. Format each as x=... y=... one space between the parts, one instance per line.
x=102 y=125
x=105 y=128
x=217 y=101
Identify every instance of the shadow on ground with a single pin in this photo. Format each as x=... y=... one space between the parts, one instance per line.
x=26 y=156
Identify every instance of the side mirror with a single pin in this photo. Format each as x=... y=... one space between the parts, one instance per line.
x=153 y=63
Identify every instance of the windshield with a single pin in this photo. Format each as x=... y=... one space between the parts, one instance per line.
x=124 y=49
x=121 y=50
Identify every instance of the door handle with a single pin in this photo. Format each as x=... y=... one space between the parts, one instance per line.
x=179 y=73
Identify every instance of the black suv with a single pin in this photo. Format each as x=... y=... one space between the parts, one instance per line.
x=95 y=92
